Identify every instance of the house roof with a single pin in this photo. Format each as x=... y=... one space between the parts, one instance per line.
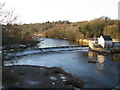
x=107 y=37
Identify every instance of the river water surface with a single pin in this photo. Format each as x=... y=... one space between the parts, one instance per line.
x=103 y=74
x=50 y=42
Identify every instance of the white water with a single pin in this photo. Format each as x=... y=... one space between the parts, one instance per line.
x=104 y=73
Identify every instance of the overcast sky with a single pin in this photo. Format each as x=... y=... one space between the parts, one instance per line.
x=37 y=11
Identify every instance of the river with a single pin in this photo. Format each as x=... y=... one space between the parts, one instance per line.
x=50 y=42
x=103 y=74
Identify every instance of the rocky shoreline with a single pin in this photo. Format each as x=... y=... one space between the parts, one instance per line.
x=27 y=76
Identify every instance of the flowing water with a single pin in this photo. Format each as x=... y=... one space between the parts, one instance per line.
x=102 y=74
x=50 y=42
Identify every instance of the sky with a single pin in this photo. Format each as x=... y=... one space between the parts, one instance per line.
x=38 y=11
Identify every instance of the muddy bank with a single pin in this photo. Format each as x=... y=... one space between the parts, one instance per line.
x=26 y=76
x=19 y=47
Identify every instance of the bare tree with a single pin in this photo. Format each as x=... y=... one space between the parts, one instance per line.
x=7 y=21
x=7 y=17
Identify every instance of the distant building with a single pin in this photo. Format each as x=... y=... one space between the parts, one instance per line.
x=105 y=41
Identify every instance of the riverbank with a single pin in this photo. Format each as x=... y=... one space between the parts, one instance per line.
x=102 y=74
x=27 y=76
x=20 y=46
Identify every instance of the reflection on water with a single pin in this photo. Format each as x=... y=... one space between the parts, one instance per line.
x=100 y=59
x=92 y=56
x=49 y=42
x=116 y=57
x=103 y=73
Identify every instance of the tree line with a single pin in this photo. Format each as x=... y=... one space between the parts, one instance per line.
x=62 y=30
x=23 y=33
x=83 y=30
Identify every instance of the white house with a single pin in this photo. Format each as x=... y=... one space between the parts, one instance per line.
x=105 y=41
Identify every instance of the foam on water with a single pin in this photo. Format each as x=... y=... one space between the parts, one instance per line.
x=50 y=49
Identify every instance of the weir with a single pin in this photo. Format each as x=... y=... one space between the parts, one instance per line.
x=48 y=49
